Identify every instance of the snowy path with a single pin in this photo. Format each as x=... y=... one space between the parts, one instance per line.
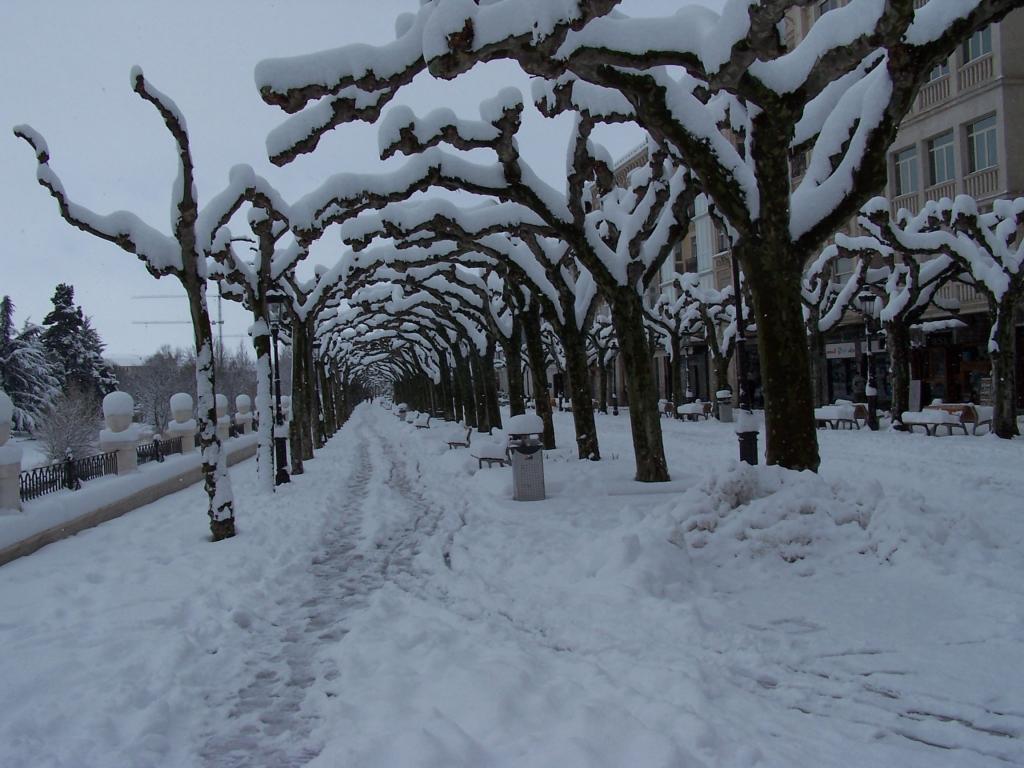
x=267 y=718
x=393 y=607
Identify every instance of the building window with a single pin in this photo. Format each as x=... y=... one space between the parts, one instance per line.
x=906 y=175
x=721 y=239
x=940 y=71
x=941 y=166
x=977 y=45
x=824 y=6
x=981 y=144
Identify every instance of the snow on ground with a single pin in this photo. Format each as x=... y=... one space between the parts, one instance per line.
x=393 y=607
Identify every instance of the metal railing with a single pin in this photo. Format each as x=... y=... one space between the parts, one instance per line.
x=69 y=474
x=976 y=72
x=156 y=450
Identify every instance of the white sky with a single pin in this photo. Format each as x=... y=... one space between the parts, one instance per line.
x=66 y=65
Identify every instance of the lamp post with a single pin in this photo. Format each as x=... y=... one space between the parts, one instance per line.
x=746 y=430
x=867 y=303
x=275 y=309
x=315 y=373
x=687 y=392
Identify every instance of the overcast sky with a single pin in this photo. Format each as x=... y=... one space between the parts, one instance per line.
x=66 y=65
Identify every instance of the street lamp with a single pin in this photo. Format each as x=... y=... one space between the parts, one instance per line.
x=746 y=429
x=687 y=392
x=276 y=310
x=315 y=372
x=867 y=303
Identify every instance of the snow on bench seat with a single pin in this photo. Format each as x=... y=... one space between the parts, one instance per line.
x=837 y=416
x=695 y=410
x=422 y=421
x=491 y=452
x=948 y=415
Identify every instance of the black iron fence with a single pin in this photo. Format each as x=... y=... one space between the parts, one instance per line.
x=71 y=473
x=65 y=474
x=156 y=450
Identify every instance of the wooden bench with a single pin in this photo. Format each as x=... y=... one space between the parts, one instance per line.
x=843 y=414
x=422 y=421
x=695 y=410
x=457 y=443
x=667 y=408
x=490 y=453
x=949 y=415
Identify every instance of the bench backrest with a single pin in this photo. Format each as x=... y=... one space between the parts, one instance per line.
x=965 y=411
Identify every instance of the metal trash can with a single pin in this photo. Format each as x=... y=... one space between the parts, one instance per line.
x=527 y=467
x=724 y=398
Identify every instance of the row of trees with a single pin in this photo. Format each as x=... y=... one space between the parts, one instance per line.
x=430 y=290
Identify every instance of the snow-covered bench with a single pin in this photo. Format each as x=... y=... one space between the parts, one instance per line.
x=460 y=439
x=695 y=410
x=843 y=414
x=490 y=452
x=422 y=421
x=666 y=408
x=949 y=415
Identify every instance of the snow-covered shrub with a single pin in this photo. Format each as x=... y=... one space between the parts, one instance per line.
x=72 y=423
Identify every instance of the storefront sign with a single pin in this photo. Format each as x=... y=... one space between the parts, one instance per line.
x=840 y=350
x=985 y=390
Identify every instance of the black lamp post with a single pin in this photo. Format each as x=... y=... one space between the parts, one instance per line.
x=275 y=309
x=315 y=372
x=747 y=436
x=867 y=303
x=687 y=392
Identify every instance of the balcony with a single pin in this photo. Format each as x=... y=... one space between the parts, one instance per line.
x=939 y=191
x=935 y=92
x=976 y=72
x=911 y=201
x=982 y=183
x=960 y=294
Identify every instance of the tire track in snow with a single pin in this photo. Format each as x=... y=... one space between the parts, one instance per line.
x=268 y=724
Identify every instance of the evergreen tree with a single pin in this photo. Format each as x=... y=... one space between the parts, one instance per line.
x=71 y=340
x=27 y=373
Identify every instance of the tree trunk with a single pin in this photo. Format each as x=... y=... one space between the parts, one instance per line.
x=816 y=351
x=514 y=368
x=297 y=425
x=465 y=389
x=790 y=435
x=678 y=389
x=574 y=344
x=447 y=406
x=264 y=404
x=602 y=385
x=491 y=388
x=897 y=341
x=641 y=388
x=316 y=437
x=538 y=373
x=216 y=481
x=477 y=368
x=1004 y=370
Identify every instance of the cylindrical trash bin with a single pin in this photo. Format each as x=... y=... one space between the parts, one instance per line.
x=527 y=451
x=724 y=398
x=527 y=469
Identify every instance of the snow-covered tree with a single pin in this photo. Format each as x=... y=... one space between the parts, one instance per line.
x=724 y=89
x=904 y=281
x=27 y=374
x=985 y=250
x=73 y=344
x=179 y=254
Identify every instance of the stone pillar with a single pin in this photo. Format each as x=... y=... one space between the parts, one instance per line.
x=223 y=420
x=120 y=436
x=10 y=459
x=183 y=425
x=243 y=415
